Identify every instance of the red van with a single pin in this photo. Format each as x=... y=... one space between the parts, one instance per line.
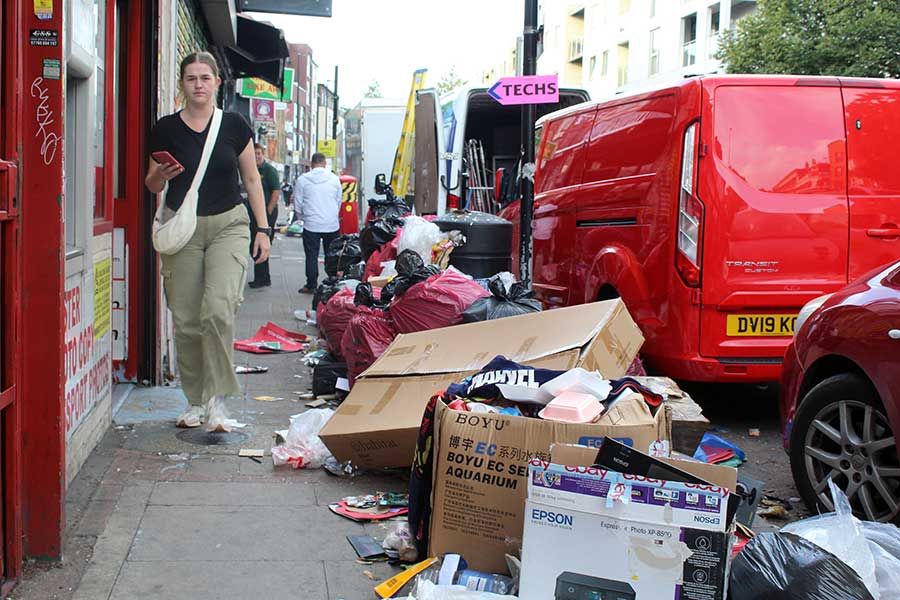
x=716 y=208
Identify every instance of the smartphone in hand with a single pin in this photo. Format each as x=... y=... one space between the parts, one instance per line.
x=164 y=158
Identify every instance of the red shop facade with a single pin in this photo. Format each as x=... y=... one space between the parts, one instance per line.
x=80 y=305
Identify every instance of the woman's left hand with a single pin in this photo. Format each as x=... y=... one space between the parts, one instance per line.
x=261 y=247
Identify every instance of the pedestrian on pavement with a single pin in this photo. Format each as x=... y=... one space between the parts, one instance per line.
x=317 y=200
x=271 y=191
x=204 y=281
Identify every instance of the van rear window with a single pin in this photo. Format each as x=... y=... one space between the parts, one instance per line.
x=783 y=140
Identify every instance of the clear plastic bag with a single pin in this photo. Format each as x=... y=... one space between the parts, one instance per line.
x=840 y=533
x=302 y=446
x=400 y=539
x=884 y=542
x=419 y=236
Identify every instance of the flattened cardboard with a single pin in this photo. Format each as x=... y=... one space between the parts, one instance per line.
x=523 y=338
x=376 y=426
x=481 y=467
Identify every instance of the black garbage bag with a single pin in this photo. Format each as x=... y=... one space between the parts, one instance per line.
x=380 y=208
x=784 y=566
x=342 y=253
x=378 y=233
x=355 y=271
x=366 y=295
x=411 y=269
x=518 y=299
x=329 y=288
x=326 y=374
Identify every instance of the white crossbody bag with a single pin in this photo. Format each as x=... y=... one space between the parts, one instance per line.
x=171 y=236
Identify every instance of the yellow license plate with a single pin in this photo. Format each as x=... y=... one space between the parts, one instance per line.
x=761 y=325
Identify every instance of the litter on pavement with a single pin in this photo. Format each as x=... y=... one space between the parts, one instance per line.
x=241 y=370
x=270 y=339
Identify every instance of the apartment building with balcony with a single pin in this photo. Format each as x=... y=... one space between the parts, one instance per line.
x=616 y=46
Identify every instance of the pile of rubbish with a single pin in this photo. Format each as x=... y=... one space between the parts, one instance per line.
x=395 y=278
x=545 y=434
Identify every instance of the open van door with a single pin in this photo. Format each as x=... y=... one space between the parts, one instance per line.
x=428 y=136
x=767 y=218
x=873 y=127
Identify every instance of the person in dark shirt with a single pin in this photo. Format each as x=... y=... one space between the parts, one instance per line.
x=204 y=281
x=271 y=191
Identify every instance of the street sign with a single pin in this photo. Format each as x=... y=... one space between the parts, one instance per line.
x=253 y=87
x=327 y=148
x=263 y=111
x=533 y=89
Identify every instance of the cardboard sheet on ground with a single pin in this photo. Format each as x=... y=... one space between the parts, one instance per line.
x=270 y=339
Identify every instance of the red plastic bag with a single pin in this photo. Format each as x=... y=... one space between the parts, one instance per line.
x=386 y=253
x=334 y=319
x=439 y=301
x=368 y=335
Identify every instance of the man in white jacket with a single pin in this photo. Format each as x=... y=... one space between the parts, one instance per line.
x=317 y=201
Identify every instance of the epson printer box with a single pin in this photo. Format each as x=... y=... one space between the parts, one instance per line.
x=596 y=534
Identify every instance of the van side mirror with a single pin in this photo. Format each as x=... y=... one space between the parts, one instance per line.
x=380 y=185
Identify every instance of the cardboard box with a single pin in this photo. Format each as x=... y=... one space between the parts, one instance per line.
x=481 y=467
x=595 y=533
x=378 y=282
x=376 y=425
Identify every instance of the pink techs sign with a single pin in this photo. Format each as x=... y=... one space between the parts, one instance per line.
x=532 y=89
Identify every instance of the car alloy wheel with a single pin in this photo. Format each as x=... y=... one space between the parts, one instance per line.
x=852 y=443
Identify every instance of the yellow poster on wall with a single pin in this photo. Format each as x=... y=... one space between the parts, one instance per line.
x=102 y=297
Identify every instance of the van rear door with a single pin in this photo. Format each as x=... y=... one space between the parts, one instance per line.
x=428 y=141
x=873 y=128
x=772 y=181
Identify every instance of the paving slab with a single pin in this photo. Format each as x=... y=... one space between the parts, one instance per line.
x=216 y=533
x=175 y=493
x=347 y=579
x=239 y=580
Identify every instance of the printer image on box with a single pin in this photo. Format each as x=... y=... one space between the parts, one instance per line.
x=574 y=586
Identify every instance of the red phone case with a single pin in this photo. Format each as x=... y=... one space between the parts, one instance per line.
x=165 y=158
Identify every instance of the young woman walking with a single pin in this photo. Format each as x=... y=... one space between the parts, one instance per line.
x=204 y=281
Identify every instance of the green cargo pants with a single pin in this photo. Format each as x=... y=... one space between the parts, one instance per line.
x=204 y=285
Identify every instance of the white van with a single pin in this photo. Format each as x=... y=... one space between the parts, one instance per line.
x=444 y=128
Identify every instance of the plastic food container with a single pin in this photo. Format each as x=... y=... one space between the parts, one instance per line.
x=579 y=380
x=572 y=407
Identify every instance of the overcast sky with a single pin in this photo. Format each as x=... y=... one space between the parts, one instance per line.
x=386 y=40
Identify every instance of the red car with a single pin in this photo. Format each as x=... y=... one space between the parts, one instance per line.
x=840 y=396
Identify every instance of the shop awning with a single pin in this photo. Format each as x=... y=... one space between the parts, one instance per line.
x=260 y=51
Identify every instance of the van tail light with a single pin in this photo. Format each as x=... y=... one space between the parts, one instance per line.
x=452 y=201
x=690 y=214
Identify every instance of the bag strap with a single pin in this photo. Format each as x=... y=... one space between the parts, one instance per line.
x=208 y=145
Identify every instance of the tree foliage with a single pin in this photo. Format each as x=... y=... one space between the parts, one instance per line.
x=449 y=82
x=374 y=90
x=848 y=38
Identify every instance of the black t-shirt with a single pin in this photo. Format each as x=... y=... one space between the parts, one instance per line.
x=219 y=191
